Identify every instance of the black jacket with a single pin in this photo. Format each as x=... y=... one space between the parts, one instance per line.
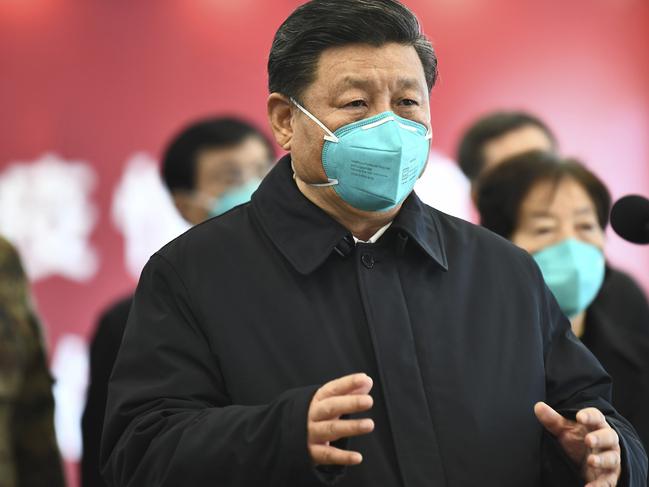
x=103 y=352
x=236 y=323
x=617 y=332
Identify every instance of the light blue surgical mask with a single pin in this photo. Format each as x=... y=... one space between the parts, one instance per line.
x=234 y=197
x=373 y=164
x=574 y=272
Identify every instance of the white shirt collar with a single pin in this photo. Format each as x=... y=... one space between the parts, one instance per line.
x=374 y=237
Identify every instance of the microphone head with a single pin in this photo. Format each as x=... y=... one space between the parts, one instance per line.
x=630 y=218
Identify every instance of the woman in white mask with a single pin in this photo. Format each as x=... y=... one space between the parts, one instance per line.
x=557 y=210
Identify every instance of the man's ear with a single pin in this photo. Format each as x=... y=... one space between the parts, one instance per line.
x=280 y=117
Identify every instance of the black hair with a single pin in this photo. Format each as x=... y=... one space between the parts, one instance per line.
x=180 y=156
x=500 y=192
x=470 y=154
x=321 y=24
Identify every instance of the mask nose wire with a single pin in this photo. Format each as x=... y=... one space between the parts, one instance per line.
x=330 y=135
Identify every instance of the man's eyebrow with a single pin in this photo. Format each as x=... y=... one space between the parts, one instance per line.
x=404 y=82
x=362 y=83
x=352 y=82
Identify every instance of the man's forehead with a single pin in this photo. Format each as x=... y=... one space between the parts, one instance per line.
x=343 y=61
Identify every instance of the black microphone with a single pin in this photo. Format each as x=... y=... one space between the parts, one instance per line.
x=630 y=218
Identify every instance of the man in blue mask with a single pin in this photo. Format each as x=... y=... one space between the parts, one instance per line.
x=209 y=167
x=213 y=165
x=336 y=329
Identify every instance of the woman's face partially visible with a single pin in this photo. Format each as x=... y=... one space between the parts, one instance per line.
x=551 y=213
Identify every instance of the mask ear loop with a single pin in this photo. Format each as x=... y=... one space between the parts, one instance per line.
x=428 y=136
x=331 y=182
x=329 y=136
x=429 y=133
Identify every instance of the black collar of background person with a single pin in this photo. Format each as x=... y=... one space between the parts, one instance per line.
x=307 y=236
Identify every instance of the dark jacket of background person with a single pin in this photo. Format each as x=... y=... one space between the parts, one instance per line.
x=617 y=332
x=103 y=352
x=29 y=455
x=236 y=323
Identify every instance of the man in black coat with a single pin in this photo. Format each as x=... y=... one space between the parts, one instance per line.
x=338 y=330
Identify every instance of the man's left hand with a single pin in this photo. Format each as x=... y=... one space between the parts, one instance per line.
x=589 y=442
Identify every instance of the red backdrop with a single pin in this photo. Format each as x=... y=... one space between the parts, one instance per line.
x=98 y=81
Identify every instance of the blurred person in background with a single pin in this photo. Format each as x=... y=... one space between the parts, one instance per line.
x=210 y=167
x=557 y=210
x=29 y=456
x=214 y=165
x=499 y=135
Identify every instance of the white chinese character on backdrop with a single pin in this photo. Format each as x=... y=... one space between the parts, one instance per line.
x=45 y=210
x=70 y=370
x=144 y=212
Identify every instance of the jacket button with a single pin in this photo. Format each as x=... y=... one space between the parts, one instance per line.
x=367 y=260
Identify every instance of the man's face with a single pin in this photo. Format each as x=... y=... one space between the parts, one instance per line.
x=352 y=83
x=514 y=142
x=220 y=170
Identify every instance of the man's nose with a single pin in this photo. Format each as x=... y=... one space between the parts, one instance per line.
x=380 y=105
x=567 y=231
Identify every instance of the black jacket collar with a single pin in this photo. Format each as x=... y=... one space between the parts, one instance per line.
x=306 y=235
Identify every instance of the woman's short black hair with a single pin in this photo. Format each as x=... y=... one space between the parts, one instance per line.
x=180 y=156
x=470 y=153
x=321 y=24
x=500 y=192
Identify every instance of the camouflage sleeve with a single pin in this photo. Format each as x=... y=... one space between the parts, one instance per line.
x=36 y=454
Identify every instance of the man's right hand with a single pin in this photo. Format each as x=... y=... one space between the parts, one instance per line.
x=347 y=395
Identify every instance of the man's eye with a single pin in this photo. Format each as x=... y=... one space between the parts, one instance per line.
x=356 y=104
x=408 y=102
x=542 y=231
x=587 y=227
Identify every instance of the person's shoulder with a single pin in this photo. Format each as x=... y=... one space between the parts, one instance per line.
x=620 y=287
x=622 y=297
x=6 y=247
x=211 y=235
x=621 y=281
x=487 y=253
x=118 y=310
x=467 y=237
x=9 y=258
x=211 y=242
x=111 y=325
